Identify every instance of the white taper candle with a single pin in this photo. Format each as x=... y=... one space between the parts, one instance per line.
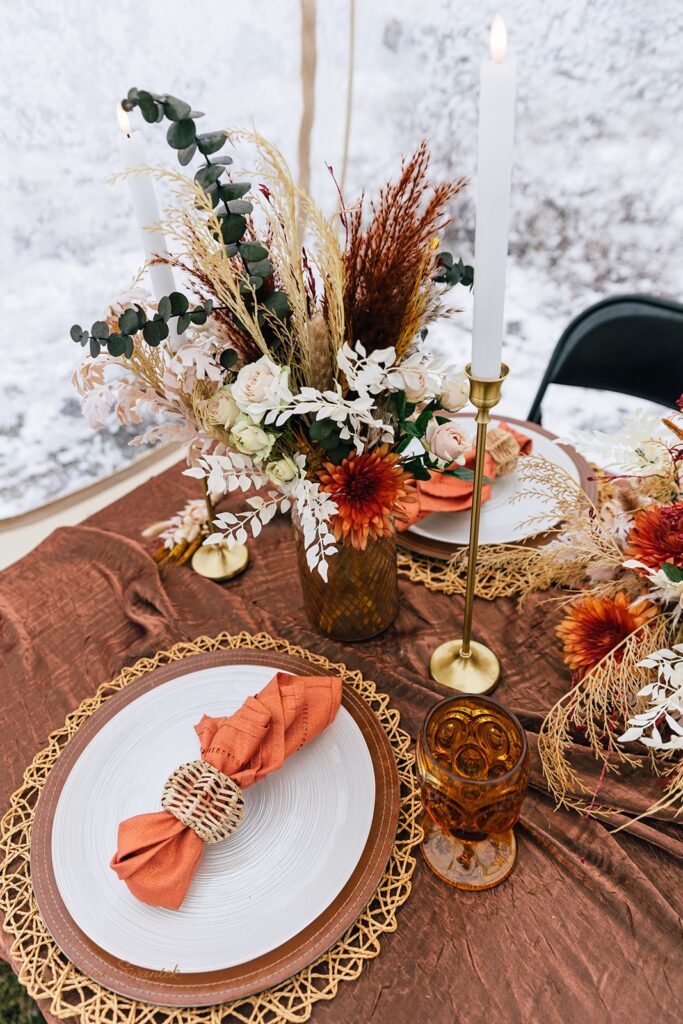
x=146 y=209
x=494 y=173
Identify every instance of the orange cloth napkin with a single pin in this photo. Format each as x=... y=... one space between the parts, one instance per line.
x=157 y=855
x=450 y=494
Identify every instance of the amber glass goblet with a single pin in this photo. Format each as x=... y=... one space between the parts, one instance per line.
x=473 y=770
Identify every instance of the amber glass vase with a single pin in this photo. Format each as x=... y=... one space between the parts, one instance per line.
x=473 y=769
x=360 y=598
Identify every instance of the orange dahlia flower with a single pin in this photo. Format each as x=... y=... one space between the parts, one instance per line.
x=369 y=489
x=656 y=535
x=596 y=625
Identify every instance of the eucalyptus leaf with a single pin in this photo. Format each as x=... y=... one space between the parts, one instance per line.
x=278 y=303
x=129 y=322
x=179 y=303
x=206 y=176
x=128 y=346
x=253 y=252
x=185 y=155
x=262 y=268
x=115 y=345
x=321 y=430
x=234 y=190
x=211 y=142
x=240 y=206
x=150 y=111
x=233 y=226
x=181 y=134
x=150 y=332
x=184 y=322
x=164 y=307
x=228 y=358
x=94 y=348
x=76 y=332
x=212 y=192
x=175 y=109
x=100 y=330
x=198 y=317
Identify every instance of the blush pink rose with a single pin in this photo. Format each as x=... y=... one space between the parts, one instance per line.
x=447 y=441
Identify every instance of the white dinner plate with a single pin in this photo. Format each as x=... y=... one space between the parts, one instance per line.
x=502 y=520
x=303 y=831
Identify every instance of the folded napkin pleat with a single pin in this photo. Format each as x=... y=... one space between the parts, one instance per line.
x=157 y=854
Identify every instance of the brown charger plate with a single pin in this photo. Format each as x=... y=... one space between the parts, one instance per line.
x=443 y=550
x=204 y=989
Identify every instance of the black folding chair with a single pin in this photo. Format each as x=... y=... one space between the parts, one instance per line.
x=630 y=343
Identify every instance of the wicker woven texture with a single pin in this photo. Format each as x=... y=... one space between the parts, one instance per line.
x=503 y=449
x=48 y=975
x=503 y=570
x=203 y=798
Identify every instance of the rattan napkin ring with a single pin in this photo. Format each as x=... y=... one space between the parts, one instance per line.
x=504 y=450
x=205 y=799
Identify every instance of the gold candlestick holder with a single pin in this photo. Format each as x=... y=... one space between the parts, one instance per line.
x=465 y=665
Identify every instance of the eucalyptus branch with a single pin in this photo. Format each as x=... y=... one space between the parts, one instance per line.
x=228 y=196
x=133 y=319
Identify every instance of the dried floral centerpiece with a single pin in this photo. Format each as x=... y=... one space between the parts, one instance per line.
x=299 y=372
x=622 y=631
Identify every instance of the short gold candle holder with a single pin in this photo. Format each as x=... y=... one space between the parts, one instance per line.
x=218 y=562
x=465 y=665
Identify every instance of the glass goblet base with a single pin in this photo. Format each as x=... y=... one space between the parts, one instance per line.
x=465 y=864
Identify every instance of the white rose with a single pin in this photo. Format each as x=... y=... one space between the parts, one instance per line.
x=415 y=385
x=456 y=392
x=251 y=439
x=221 y=409
x=410 y=377
x=446 y=441
x=282 y=471
x=261 y=387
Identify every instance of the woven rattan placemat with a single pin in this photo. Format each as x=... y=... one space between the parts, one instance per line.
x=47 y=973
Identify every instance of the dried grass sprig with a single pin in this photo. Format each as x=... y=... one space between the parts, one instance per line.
x=385 y=264
x=311 y=352
x=514 y=569
x=599 y=704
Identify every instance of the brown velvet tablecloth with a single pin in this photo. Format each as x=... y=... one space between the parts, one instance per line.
x=586 y=929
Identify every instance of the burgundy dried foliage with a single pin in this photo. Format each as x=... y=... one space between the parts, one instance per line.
x=384 y=261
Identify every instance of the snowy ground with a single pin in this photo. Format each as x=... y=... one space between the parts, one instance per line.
x=597 y=205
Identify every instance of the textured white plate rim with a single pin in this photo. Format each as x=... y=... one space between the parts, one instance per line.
x=237 y=908
x=497 y=527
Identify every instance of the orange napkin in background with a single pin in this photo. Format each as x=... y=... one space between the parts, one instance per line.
x=450 y=494
x=157 y=855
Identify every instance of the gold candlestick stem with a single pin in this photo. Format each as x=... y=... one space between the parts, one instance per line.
x=466 y=665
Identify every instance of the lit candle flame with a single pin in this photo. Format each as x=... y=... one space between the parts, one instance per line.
x=499 y=39
x=124 y=123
